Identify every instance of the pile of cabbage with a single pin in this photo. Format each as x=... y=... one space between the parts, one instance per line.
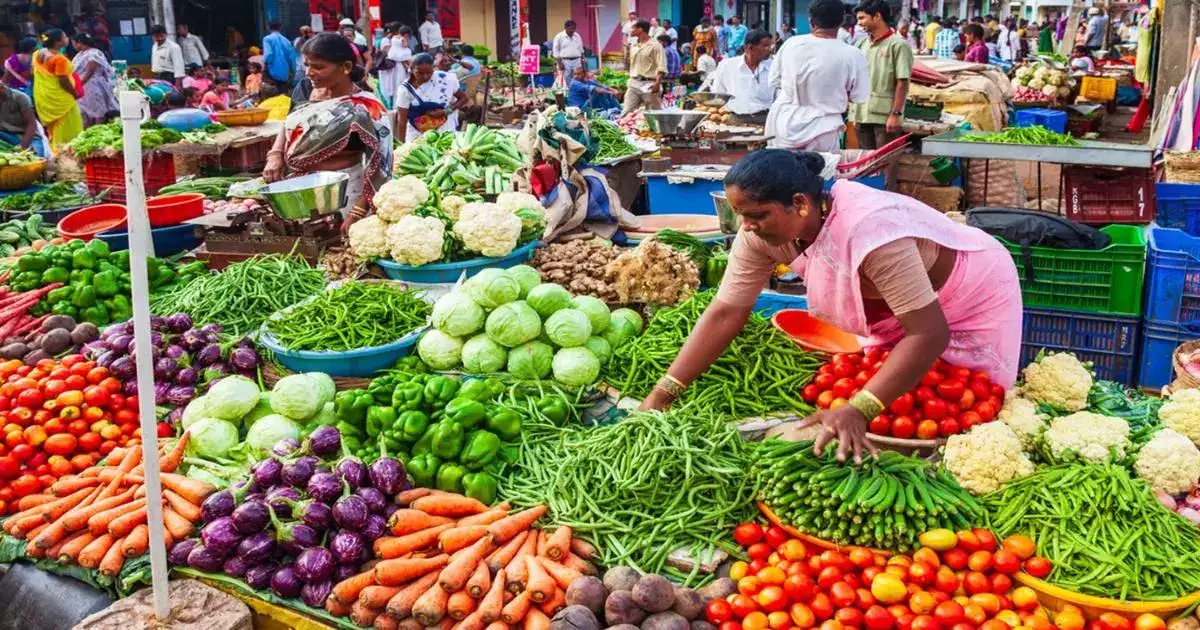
x=304 y=520
x=510 y=321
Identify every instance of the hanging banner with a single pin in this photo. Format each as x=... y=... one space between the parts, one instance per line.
x=514 y=28
x=328 y=11
x=448 y=17
x=529 y=60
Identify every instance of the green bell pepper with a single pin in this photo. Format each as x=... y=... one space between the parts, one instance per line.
x=379 y=419
x=440 y=390
x=119 y=308
x=714 y=268
x=55 y=274
x=503 y=422
x=447 y=439
x=411 y=363
x=26 y=281
x=351 y=443
x=450 y=478
x=465 y=411
x=75 y=244
x=96 y=314
x=84 y=296
x=475 y=390
x=105 y=284
x=412 y=425
x=553 y=407
x=59 y=294
x=425 y=443
x=120 y=259
x=33 y=262
x=481 y=486
x=83 y=259
x=65 y=308
x=423 y=469
x=82 y=276
x=98 y=248
x=351 y=406
x=408 y=396
x=164 y=276
x=350 y=430
x=496 y=387
x=481 y=448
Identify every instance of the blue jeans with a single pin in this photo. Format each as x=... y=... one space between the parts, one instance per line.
x=36 y=145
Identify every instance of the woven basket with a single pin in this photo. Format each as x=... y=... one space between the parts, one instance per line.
x=1183 y=168
x=243 y=117
x=271 y=375
x=1183 y=378
x=18 y=177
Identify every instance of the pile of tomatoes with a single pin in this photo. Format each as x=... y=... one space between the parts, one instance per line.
x=949 y=399
x=58 y=418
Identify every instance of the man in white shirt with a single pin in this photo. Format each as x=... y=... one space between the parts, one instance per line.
x=166 y=58
x=705 y=63
x=671 y=32
x=567 y=50
x=746 y=77
x=627 y=28
x=818 y=76
x=656 y=29
x=359 y=38
x=431 y=33
x=194 y=52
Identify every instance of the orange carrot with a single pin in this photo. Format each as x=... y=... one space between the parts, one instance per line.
x=493 y=514
x=78 y=518
x=193 y=490
x=497 y=625
x=493 y=601
x=504 y=529
x=388 y=547
x=579 y=564
x=95 y=551
x=44 y=509
x=518 y=573
x=515 y=611
x=408 y=623
x=536 y=620
x=556 y=602
x=462 y=564
x=98 y=523
x=502 y=556
x=431 y=606
x=171 y=460
x=400 y=605
x=473 y=621
x=541 y=543
x=400 y=570
x=50 y=536
x=83 y=496
x=583 y=548
x=563 y=575
x=137 y=541
x=179 y=527
x=63 y=487
x=385 y=622
x=558 y=544
x=182 y=506
x=31 y=501
x=122 y=525
x=459 y=605
x=539 y=583
x=376 y=596
x=480 y=582
x=56 y=550
x=408 y=521
x=408 y=496
x=336 y=608
x=70 y=550
x=114 y=559
x=457 y=538
x=346 y=592
x=452 y=505
x=362 y=616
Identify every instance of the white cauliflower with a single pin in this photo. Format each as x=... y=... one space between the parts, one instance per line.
x=513 y=201
x=1049 y=90
x=1059 y=380
x=1040 y=72
x=452 y=205
x=1024 y=71
x=1095 y=438
x=368 y=238
x=486 y=228
x=1181 y=413
x=1022 y=417
x=985 y=458
x=416 y=240
x=399 y=197
x=1169 y=462
x=1037 y=83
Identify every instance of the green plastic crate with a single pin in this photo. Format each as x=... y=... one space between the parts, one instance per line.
x=1105 y=280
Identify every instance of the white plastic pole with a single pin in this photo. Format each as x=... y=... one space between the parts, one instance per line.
x=132 y=105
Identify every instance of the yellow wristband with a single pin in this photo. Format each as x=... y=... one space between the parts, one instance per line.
x=867 y=404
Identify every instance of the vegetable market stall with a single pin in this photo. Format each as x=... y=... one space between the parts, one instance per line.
x=240 y=148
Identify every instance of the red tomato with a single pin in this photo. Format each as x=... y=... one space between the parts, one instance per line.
x=53 y=387
x=80 y=368
x=902 y=405
x=821 y=606
x=934 y=409
x=730 y=625
x=980 y=561
x=76 y=382
x=742 y=605
x=927 y=430
x=861 y=378
x=718 y=611
x=824 y=381
x=759 y=551
x=878 y=618
x=946 y=581
x=968 y=419
x=924 y=393
x=164 y=430
x=72 y=359
x=948 y=613
x=828 y=577
x=25 y=485
x=125 y=416
x=948 y=427
x=1037 y=566
x=1113 y=621
x=810 y=393
x=1006 y=562
x=799 y=588
x=77 y=427
x=849 y=617
x=968 y=541
x=771 y=599
x=903 y=427
x=843 y=388
x=31 y=398
x=747 y=534
x=987 y=540
x=97 y=375
x=106 y=447
x=23 y=452
x=920 y=574
x=53 y=425
x=775 y=536
x=9 y=468
x=967 y=401
x=1001 y=583
x=90 y=442
x=82 y=462
x=60 y=466
x=980 y=389
x=60 y=444
x=905 y=621
x=986 y=410
x=976 y=582
x=825 y=399
x=951 y=391
x=925 y=622
x=932 y=378
x=879 y=425
x=95 y=396
x=845 y=369
x=842 y=594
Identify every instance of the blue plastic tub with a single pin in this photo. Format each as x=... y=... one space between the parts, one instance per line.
x=1156 y=368
x=543 y=79
x=1053 y=120
x=1178 y=206
x=1110 y=342
x=1173 y=277
x=771 y=302
x=449 y=272
x=682 y=197
x=167 y=240
x=360 y=363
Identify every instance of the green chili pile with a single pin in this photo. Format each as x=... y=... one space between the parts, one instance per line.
x=245 y=294
x=1104 y=532
x=1025 y=135
x=354 y=315
x=761 y=372
x=641 y=488
x=610 y=141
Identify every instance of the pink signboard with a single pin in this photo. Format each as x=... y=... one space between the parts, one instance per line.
x=528 y=63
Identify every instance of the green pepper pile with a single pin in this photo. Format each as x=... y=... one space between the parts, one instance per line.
x=96 y=284
x=449 y=433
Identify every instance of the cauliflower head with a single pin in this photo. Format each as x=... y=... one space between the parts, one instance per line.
x=1181 y=413
x=487 y=229
x=1037 y=83
x=452 y=205
x=1021 y=415
x=416 y=240
x=1049 y=90
x=368 y=238
x=399 y=197
x=1024 y=71
x=985 y=458
x=1095 y=438
x=513 y=201
x=1169 y=462
x=1059 y=380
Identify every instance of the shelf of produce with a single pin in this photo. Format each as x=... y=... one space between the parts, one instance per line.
x=449 y=272
x=1087 y=152
x=812 y=540
x=1054 y=597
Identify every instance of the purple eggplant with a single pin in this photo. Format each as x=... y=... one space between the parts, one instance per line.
x=314 y=564
x=256 y=496
x=106 y=358
x=285 y=447
x=158 y=322
x=201 y=559
x=192 y=340
x=389 y=509
x=244 y=358
x=251 y=517
x=179 y=322
x=217 y=504
x=179 y=553
x=234 y=566
x=256 y=548
x=281 y=498
x=160 y=392
x=285 y=582
x=324 y=442
x=315 y=593
x=165 y=369
x=266 y=473
x=353 y=471
x=175 y=352
x=211 y=329
x=345 y=571
x=315 y=514
x=175 y=416
x=156 y=338
x=376 y=501
x=375 y=527
x=295 y=537
x=350 y=512
x=297 y=473
x=220 y=536
x=130 y=387
x=259 y=576
x=324 y=486
x=119 y=344
x=124 y=369
x=214 y=373
x=186 y=376
x=180 y=396
x=208 y=355
x=347 y=546
x=387 y=475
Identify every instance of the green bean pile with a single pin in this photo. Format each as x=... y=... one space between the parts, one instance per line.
x=761 y=372
x=354 y=315
x=610 y=141
x=1104 y=532
x=245 y=294
x=641 y=488
x=1036 y=134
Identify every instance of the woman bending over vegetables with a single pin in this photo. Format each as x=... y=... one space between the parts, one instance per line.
x=883 y=266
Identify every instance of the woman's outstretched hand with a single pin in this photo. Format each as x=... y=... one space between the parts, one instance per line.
x=846 y=425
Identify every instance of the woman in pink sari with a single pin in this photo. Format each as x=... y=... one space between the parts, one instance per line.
x=883 y=266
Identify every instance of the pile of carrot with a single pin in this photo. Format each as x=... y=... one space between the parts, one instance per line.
x=97 y=519
x=454 y=563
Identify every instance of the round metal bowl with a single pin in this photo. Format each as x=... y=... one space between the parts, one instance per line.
x=323 y=192
x=709 y=99
x=674 y=122
x=729 y=220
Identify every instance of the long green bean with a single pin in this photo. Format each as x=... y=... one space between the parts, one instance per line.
x=354 y=315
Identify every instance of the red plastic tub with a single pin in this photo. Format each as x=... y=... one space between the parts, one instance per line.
x=174 y=209
x=86 y=223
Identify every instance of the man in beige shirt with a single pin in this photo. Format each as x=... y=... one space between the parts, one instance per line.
x=647 y=66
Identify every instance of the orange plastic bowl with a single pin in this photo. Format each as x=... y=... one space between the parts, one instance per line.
x=174 y=209
x=86 y=223
x=811 y=333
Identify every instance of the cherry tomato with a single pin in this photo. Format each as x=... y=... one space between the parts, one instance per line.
x=903 y=427
x=824 y=381
x=924 y=393
x=902 y=405
x=77 y=427
x=825 y=399
x=927 y=430
x=60 y=444
x=879 y=425
x=107 y=446
x=125 y=416
x=1020 y=545
x=799 y=587
x=968 y=419
x=849 y=617
x=53 y=387
x=25 y=485
x=97 y=375
x=986 y=410
x=758 y=551
x=31 y=398
x=52 y=425
x=1038 y=567
x=775 y=536
x=821 y=606
x=948 y=427
x=83 y=461
x=164 y=430
x=747 y=534
x=95 y=395
x=111 y=385
x=60 y=466
x=951 y=391
x=743 y=605
x=80 y=368
x=843 y=388
x=718 y=611
x=9 y=468
x=90 y=442
x=934 y=409
x=72 y=359
x=844 y=369
x=810 y=393
x=23 y=452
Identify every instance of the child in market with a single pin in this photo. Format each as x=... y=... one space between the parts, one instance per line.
x=197 y=78
x=254 y=79
x=192 y=97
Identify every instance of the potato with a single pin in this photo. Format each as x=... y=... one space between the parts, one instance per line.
x=14 y=350
x=574 y=618
x=57 y=321
x=688 y=603
x=589 y=592
x=57 y=340
x=654 y=593
x=719 y=589
x=621 y=578
x=84 y=333
x=700 y=624
x=619 y=609
x=35 y=356
x=665 y=621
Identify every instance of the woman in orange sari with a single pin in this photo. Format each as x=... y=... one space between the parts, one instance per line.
x=55 y=90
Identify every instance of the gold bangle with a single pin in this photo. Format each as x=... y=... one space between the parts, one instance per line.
x=670 y=385
x=867 y=404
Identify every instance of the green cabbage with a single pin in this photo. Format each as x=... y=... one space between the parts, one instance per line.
x=568 y=327
x=327 y=416
x=481 y=355
x=212 y=438
x=194 y=411
x=492 y=287
x=620 y=330
x=530 y=360
x=512 y=324
x=548 y=297
x=269 y=430
x=630 y=315
x=324 y=384
x=456 y=314
x=262 y=409
x=231 y=398
x=527 y=277
x=576 y=367
x=439 y=350
x=600 y=348
x=297 y=397
x=596 y=311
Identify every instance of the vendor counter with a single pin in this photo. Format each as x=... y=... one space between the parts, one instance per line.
x=688 y=188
